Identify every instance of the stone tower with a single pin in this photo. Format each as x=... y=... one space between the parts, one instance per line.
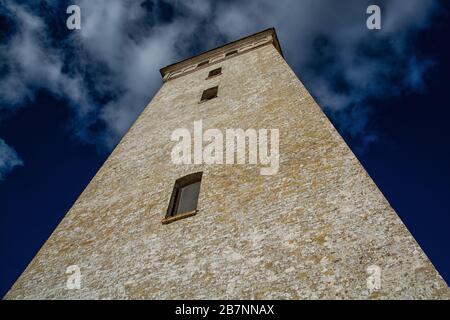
x=318 y=228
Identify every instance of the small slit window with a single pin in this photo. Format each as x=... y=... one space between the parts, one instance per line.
x=215 y=72
x=184 y=199
x=231 y=53
x=203 y=63
x=209 y=94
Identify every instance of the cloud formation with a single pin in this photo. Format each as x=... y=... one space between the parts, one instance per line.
x=8 y=159
x=343 y=64
x=108 y=70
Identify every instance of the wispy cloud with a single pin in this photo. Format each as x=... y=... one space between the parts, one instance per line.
x=108 y=70
x=33 y=63
x=8 y=159
x=343 y=64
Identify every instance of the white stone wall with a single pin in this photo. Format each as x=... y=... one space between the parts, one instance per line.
x=308 y=232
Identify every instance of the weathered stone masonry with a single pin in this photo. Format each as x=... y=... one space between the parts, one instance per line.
x=309 y=231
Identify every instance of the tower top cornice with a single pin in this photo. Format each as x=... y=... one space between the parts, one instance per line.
x=226 y=51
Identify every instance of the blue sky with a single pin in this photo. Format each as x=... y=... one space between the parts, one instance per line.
x=67 y=97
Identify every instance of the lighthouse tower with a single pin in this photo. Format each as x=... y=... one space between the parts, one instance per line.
x=149 y=227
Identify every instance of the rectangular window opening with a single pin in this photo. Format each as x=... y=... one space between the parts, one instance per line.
x=203 y=63
x=215 y=72
x=210 y=93
x=228 y=54
x=184 y=199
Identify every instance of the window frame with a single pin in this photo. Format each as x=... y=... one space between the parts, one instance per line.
x=180 y=183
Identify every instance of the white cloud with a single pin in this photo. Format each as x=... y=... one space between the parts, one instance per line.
x=34 y=64
x=8 y=159
x=364 y=60
x=123 y=44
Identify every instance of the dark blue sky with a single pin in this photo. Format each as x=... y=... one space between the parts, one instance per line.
x=398 y=131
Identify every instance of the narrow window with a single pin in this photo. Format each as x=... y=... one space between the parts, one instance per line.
x=184 y=199
x=203 y=63
x=210 y=93
x=231 y=53
x=215 y=72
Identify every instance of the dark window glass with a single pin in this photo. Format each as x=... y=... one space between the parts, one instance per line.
x=210 y=93
x=188 y=197
x=214 y=72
